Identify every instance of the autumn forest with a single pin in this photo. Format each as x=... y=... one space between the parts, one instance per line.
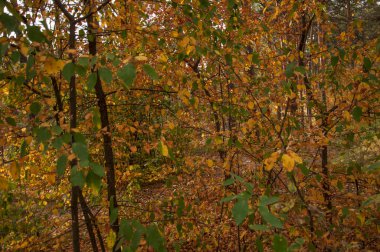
x=189 y=125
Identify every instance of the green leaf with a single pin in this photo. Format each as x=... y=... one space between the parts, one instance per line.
x=228 y=198
x=258 y=227
x=334 y=61
x=56 y=130
x=10 y=22
x=105 y=74
x=154 y=238
x=280 y=244
x=76 y=177
x=113 y=215
x=295 y=246
x=35 y=108
x=256 y=58
x=357 y=113
x=57 y=143
x=23 y=149
x=127 y=74
x=228 y=58
x=269 y=217
x=240 y=210
x=150 y=72
x=367 y=64
x=289 y=71
x=43 y=134
x=83 y=61
x=373 y=167
x=265 y=200
x=228 y=182
x=81 y=151
x=68 y=71
x=136 y=237
x=10 y=121
x=97 y=169
x=91 y=82
x=61 y=165
x=35 y=34
x=93 y=181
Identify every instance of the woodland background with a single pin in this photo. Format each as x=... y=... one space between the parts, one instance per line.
x=188 y=125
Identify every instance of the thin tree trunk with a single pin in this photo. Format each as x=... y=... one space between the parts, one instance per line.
x=107 y=140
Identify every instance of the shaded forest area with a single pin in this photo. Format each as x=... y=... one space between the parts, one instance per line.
x=189 y=125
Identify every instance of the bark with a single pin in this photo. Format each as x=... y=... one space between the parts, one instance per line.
x=107 y=140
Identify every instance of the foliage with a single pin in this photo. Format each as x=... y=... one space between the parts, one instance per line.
x=189 y=125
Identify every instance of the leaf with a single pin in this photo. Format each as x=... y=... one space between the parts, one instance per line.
x=228 y=198
x=127 y=74
x=126 y=230
x=357 y=113
x=269 y=217
x=35 y=108
x=10 y=22
x=228 y=182
x=91 y=82
x=289 y=71
x=97 y=169
x=154 y=238
x=35 y=34
x=334 y=60
x=373 y=167
x=228 y=58
x=113 y=215
x=94 y=182
x=3 y=183
x=23 y=149
x=111 y=239
x=240 y=210
x=105 y=74
x=81 y=151
x=83 y=61
x=42 y=134
x=150 y=72
x=265 y=200
x=76 y=177
x=288 y=162
x=258 y=227
x=10 y=121
x=68 y=71
x=164 y=149
x=61 y=165
x=367 y=64
x=280 y=244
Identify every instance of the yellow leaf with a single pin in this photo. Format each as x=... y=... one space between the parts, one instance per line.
x=163 y=58
x=269 y=162
x=141 y=58
x=111 y=239
x=287 y=162
x=171 y=125
x=174 y=34
x=210 y=163
x=15 y=170
x=347 y=116
x=295 y=156
x=164 y=150
x=251 y=105
x=184 y=42
x=24 y=50
x=3 y=183
x=51 y=178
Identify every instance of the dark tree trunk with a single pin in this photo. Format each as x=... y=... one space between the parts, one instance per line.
x=107 y=140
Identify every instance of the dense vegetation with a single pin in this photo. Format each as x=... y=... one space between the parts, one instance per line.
x=189 y=125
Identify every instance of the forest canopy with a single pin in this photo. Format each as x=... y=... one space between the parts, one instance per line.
x=188 y=125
